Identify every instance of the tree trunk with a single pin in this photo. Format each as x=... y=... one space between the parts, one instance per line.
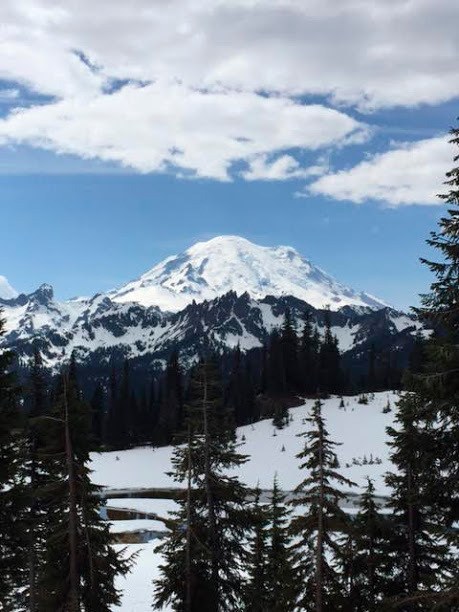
x=73 y=596
x=210 y=498
x=188 y=528
x=412 y=570
x=320 y=526
x=32 y=539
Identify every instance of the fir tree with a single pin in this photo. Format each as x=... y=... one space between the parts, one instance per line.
x=289 y=348
x=320 y=531
x=421 y=559
x=38 y=402
x=13 y=543
x=206 y=543
x=329 y=361
x=256 y=598
x=368 y=570
x=171 y=409
x=98 y=415
x=309 y=348
x=279 y=563
x=79 y=563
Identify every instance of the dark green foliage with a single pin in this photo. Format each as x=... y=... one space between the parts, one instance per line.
x=37 y=394
x=212 y=521
x=280 y=585
x=421 y=558
x=98 y=415
x=368 y=566
x=171 y=408
x=240 y=392
x=289 y=348
x=13 y=540
x=79 y=565
x=330 y=376
x=309 y=356
x=323 y=526
x=256 y=597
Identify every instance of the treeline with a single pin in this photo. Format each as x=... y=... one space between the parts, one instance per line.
x=258 y=384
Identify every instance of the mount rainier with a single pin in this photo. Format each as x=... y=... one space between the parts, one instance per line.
x=217 y=295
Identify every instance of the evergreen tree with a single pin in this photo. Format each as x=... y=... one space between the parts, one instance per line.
x=206 y=543
x=279 y=563
x=98 y=415
x=256 y=597
x=289 y=348
x=434 y=406
x=329 y=361
x=309 y=349
x=36 y=515
x=79 y=563
x=368 y=570
x=320 y=531
x=171 y=409
x=277 y=384
x=421 y=559
x=13 y=543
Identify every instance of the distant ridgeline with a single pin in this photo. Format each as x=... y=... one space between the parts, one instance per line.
x=269 y=351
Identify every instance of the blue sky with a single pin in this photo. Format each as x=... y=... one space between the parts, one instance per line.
x=114 y=156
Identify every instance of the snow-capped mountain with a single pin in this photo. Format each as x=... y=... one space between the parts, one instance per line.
x=6 y=290
x=217 y=295
x=230 y=263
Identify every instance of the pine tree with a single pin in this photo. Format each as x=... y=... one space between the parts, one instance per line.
x=13 y=544
x=435 y=400
x=289 y=348
x=329 y=361
x=256 y=597
x=309 y=348
x=421 y=559
x=324 y=525
x=36 y=515
x=279 y=566
x=171 y=409
x=206 y=543
x=79 y=564
x=98 y=415
x=276 y=384
x=369 y=568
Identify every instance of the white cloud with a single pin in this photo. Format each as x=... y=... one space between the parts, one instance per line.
x=412 y=173
x=281 y=168
x=359 y=52
x=223 y=77
x=160 y=125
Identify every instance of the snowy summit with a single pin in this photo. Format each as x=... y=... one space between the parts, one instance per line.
x=6 y=290
x=231 y=263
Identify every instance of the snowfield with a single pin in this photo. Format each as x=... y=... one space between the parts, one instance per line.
x=360 y=428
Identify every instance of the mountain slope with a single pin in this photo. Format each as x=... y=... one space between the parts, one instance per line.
x=231 y=263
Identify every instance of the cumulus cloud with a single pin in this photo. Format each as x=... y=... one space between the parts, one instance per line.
x=408 y=174
x=163 y=125
x=281 y=168
x=357 y=52
x=196 y=85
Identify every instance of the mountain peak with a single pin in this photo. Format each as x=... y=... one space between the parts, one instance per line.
x=232 y=263
x=6 y=290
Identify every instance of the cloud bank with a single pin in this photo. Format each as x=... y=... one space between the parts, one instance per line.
x=195 y=86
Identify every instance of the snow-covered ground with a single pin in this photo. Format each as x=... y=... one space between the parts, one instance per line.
x=137 y=586
x=360 y=428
